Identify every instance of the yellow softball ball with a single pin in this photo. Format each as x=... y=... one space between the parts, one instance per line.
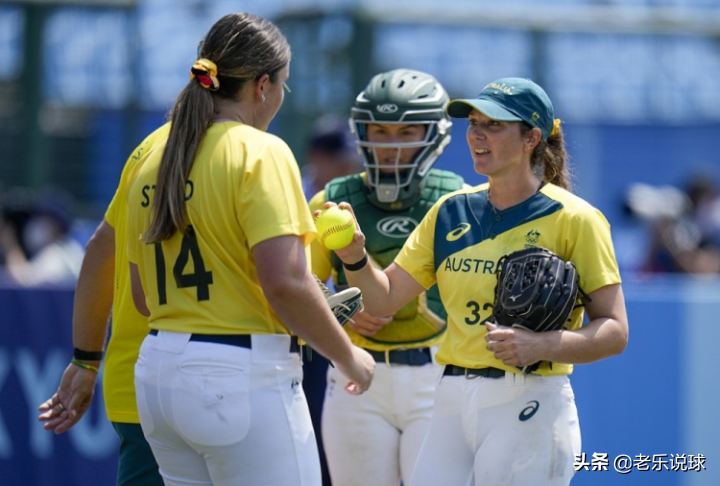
x=335 y=227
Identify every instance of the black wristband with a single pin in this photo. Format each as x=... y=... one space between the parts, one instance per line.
x=354 y=267
x=83 y=355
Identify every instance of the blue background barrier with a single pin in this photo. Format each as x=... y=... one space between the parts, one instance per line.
x=659 y=398
x=35 y=348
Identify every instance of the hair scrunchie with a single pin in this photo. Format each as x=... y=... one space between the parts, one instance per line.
x=556 y=127
x=205 y=71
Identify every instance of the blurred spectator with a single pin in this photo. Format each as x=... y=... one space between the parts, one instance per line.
x=705 y=199
x=41 y=250
x=684 y=225
x=17 y=204
x=331 y=153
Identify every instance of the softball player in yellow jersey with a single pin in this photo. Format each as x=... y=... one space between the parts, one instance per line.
x=493 y=425
x=101 y=287
x=99 y=293
x=217 y=229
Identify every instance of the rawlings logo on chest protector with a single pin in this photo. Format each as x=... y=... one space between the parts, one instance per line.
x=396 y=226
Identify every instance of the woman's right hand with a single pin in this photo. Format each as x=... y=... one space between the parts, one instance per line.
x=360 y=369
x=355 y=251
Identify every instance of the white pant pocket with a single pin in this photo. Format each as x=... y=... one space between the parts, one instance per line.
x=210 y=403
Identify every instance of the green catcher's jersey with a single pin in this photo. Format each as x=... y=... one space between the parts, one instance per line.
x=421 y=322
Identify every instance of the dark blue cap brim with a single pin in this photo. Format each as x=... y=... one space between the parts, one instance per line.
x=462 y=108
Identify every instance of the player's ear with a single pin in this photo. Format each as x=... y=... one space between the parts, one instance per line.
x=532 y=139
x=261 y=84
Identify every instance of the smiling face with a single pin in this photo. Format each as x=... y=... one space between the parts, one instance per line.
x=499 y=147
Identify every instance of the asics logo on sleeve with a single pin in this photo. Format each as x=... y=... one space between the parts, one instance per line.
x=457 y=233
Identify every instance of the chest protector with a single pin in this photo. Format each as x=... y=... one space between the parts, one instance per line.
x=386 y=229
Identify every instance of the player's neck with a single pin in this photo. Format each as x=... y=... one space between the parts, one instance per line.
x=232 y=111
x=509 y=193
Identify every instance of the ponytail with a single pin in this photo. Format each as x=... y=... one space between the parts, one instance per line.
x=191 y=116
x=551 y=159
x=239 y=47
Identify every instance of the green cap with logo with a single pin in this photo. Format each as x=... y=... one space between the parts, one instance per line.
x=510 y=99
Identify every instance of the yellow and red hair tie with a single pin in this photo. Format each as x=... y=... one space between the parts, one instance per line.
x=556 y=127
x=205 y=71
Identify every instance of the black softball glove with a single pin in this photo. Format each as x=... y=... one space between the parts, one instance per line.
x=536 y=290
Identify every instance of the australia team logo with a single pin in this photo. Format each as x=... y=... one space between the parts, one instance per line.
x=396 y=226
x=532 y=237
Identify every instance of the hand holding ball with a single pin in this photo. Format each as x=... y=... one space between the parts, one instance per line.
x=336 y=228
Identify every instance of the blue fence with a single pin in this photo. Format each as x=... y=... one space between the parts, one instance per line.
x=657 y=400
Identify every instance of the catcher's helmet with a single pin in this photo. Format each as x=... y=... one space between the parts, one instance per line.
x=401 y=96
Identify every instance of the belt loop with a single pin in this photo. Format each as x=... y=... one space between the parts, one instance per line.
x=470 y=377
x=387 y=358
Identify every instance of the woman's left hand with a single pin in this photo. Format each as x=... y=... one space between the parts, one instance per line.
x=515 y=346
x=368 y=325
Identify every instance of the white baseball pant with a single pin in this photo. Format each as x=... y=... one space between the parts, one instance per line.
x=223 y=415
x=520 y=430
x=374 y=438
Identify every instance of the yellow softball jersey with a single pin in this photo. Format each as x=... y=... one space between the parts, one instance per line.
x=458 y=245
x=129 y=327
x=244 y=188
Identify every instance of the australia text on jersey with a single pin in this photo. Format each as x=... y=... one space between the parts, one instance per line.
x=468 y=265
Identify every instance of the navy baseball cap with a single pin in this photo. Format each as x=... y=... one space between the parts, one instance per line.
x=510 y=99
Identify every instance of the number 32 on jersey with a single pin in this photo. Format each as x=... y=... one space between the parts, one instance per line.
x=474 y=316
